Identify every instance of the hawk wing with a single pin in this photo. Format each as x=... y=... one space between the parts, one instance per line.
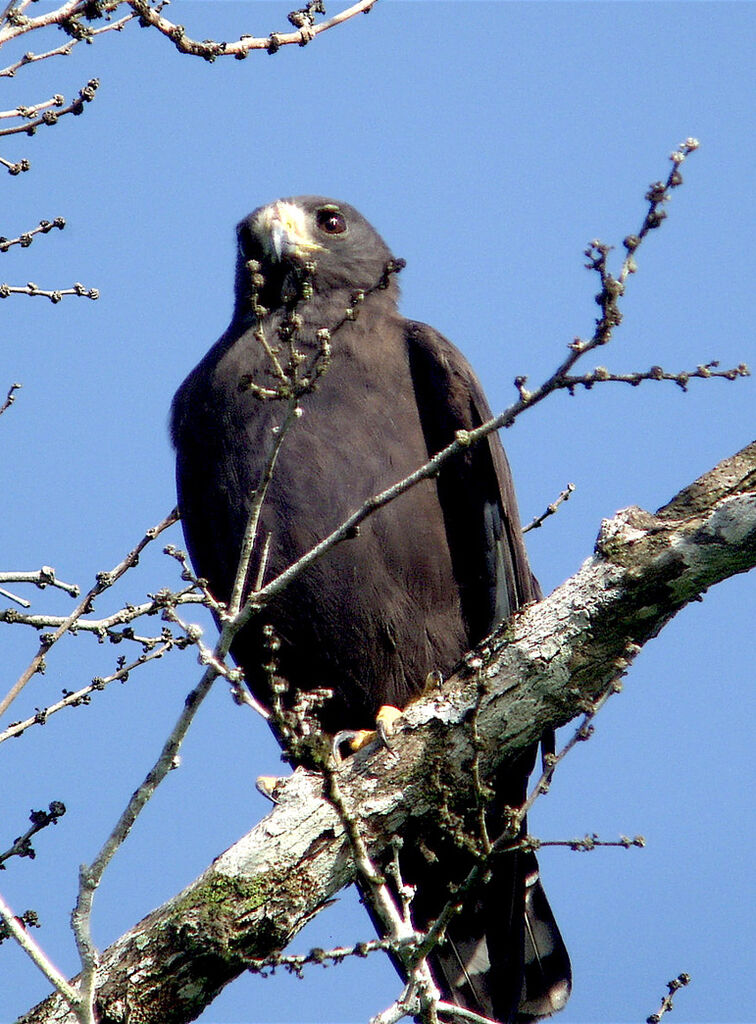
x=475 y=487
x=504 y=956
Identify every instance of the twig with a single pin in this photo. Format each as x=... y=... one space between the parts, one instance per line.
x=460 y=1013
x=18 y=24
x=508 y=841
x=550 y=509
x=585 y=845
x=295 y=963
x=22 y=846
x=90 y=876
x=44 y=577
x=50 y=117
x=83 y=696
x=103 y=628
x=667 y=1002
x=601 y=375
x=37 y=956
x=10 y=397
x=197 y=583
x=27 y=237
x=29 y=113
x=15 y=168
x=420 y=995
x=210 y=50
x=483 y=793
x=104 y=580
x=293 y=411
x=54 y=296
x=583 y=732
x=66 y=48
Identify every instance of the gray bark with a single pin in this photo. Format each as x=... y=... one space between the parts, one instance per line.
x=539 y=671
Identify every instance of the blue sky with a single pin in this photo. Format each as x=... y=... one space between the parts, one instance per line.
x=488 y=143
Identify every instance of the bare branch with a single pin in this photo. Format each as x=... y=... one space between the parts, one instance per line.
x=44 y=577
x=22 y=846
x=550 y=509
x=65 y=49
x=295 y=964
x=49 y=117
x=103 y=628
x=78 y=698
x=210 y=50
x=18 y=24
x=461 y=1014
x=37 y=956
x=10 y=398
x=54 y=296
x=293 y=411
x=90 y=876
x=682 y=379
x=15 y=168
x=27 y=237
x=585 y=845
x=611 y=291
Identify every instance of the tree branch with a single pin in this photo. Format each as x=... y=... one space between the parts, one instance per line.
x=544 y=667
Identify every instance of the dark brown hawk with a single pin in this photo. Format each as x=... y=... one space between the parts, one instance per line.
x=426 y=578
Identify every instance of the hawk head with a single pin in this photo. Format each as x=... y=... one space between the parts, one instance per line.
x=325 y=239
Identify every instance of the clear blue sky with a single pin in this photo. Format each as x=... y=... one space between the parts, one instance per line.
x=488 y=143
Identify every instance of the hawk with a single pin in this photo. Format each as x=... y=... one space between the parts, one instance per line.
x=425 y=578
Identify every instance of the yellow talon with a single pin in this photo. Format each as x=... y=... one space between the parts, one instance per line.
x=356 y=740
x=360 y=739
x=267 y=785
x=387 y=718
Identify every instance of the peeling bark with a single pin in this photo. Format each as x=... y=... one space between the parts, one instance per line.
x=539 y=671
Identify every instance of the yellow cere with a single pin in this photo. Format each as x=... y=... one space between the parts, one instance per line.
x=284 y=230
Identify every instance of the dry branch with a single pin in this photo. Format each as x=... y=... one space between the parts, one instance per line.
x=543 y=668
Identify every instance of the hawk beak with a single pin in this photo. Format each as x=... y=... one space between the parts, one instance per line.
x=285 y=231
x=279 y=240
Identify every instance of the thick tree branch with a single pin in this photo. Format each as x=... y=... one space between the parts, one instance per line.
x=541 y=669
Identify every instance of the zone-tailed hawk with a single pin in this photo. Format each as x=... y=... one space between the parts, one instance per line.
x=425 y=578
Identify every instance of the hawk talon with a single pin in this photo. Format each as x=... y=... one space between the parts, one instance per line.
x=385 y=722
x=357 y=739
x=266 y=786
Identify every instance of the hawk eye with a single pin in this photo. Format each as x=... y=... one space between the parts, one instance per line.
x=331 y=221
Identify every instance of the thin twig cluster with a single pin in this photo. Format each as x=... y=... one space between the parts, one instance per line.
x=103 y=581
x=49 y=116
x=49 y=111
